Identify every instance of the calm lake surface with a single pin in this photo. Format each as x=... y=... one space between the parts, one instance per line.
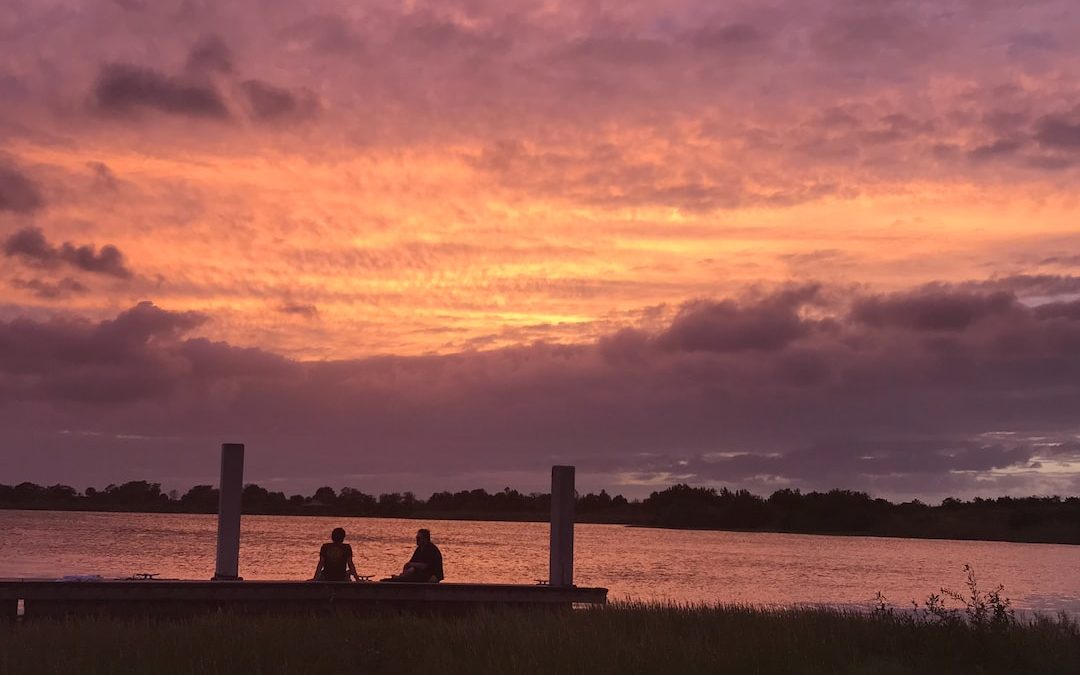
x=637 y=563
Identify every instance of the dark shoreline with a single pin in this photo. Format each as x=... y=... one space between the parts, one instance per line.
x=584 y=520
x=1034 y=519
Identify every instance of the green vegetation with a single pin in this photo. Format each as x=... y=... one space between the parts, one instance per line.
x=615 y=639
x=1029 y=519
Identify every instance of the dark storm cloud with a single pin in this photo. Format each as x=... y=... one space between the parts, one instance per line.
x=109 y=260
x=114 y=361
x=145 y=322
x=123 y=88
x=218 y=360
x=269 y=103
x=931 y=309
x=31 y=245
x=1064 y=310
x=1037 y=285
x=1058 y=132
x=137 y=356
x=728 y=326
x=846 y=461
x=18 y=193
x=739 y=391
x=49 y=290
x=210 y=55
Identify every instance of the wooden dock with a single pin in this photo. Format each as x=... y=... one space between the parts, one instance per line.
x=226 y=592
x=40 y=598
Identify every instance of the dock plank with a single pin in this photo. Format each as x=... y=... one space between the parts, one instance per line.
x=49 y=597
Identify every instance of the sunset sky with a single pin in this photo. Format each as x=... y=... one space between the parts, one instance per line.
x=442 y=245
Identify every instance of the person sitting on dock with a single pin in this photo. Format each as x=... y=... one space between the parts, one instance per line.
x=336 y=559
x=425 y=564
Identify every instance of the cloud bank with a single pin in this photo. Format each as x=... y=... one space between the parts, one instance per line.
x=929 y=391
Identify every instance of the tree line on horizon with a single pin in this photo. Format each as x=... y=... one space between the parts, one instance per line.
x=1035 y=519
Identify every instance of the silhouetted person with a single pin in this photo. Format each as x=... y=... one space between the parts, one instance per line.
x=336 y=559
x=425 y=564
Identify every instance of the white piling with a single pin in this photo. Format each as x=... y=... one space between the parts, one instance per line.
x=230 y=488
x=561 y=568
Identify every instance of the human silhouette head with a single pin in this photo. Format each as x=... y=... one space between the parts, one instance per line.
x=423 y=535
x=338 y=535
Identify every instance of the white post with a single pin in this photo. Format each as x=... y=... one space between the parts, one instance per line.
x=228 y=535
x=561 y=567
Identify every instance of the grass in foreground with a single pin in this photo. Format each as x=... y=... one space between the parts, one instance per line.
x=617 y=639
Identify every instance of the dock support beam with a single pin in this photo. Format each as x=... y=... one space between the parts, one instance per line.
x=561 y=570
x=229 y=491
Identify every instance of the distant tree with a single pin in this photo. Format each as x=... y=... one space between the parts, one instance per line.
x=355 y=503
x=1035 y=518
x=441 y=501
x=254 y=499
x=200 y=499
x=786 y=498
x=135 y=493
x=743 y=510
x=683 y=506
x=61 y=493
x=390 y=504
x=325 y=495
x=28 y=493
x=592 y=503
x=276 y=502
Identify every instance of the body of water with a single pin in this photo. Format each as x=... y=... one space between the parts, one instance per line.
x=636 y=563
